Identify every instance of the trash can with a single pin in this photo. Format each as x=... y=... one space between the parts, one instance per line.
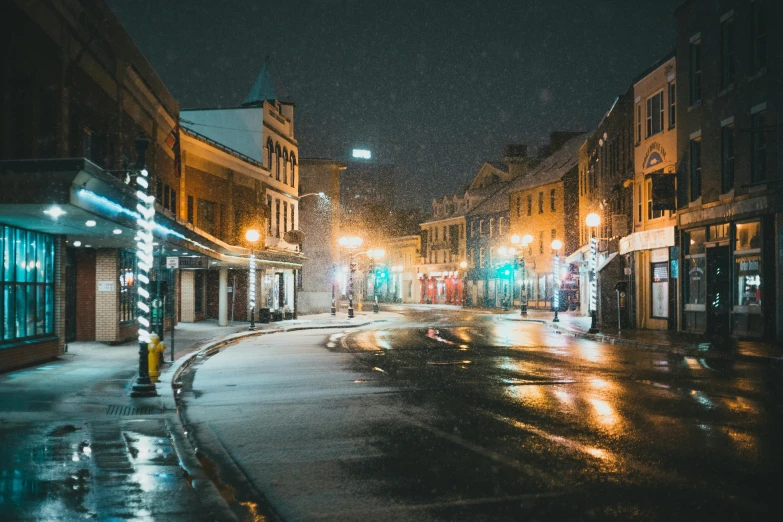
x=264 y=315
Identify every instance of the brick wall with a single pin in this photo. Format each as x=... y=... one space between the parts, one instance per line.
x=85 y=295
x=11 y=358
x=107 y=303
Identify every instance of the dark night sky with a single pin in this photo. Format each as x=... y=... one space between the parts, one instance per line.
x=436 y=87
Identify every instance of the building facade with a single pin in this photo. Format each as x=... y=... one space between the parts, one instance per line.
x=78 y=126
x=320 y=222
x=402 y=265
x=729 y=169
x=606 y=175
x=544 y=205
x=443 y=237
x=651 y=245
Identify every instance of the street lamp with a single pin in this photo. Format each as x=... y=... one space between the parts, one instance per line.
x=524 y=241
x=593 y=221
x=372 y=255
x=252 y=236
x=556 y=246
x=143 y=387
x=350 y=243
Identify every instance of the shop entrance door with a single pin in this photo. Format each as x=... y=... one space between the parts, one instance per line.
x=719 y=290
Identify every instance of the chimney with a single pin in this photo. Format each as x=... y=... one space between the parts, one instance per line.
x=517 y=160
x=559 y=138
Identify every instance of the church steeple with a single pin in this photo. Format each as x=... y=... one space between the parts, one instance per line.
x=264 y=87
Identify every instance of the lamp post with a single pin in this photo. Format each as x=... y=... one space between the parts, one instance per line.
x=593 y=221
x=333 y=310
x=252 y=236
x=525 y=242
x=144 y=387
x=350 y=243
x=556 y=246
x=372 y=255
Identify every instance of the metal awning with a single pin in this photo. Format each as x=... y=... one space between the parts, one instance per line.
x=99 y=210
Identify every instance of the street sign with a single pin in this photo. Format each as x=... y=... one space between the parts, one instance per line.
x=156 y=303
x=172 y=262
x=230 y=289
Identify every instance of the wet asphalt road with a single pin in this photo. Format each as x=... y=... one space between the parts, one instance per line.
x=456 y=416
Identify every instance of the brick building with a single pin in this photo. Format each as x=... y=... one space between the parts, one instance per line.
x=544 y=205
x=80 y=104
x=730 y=166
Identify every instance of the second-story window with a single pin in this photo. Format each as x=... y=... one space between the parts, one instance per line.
x=638 y=123
x=672 y=105
x=759 y=36
x=436 y=234
x=552 y=201
x=759 y=152
x=491 y=226
x=541 y=242
x=529 y=204
x=651 y=214
x=519 y=206
x=695 y=71
x=727 y=52
x=285 y=217
x=277 y=218
x=727 y=163
x=655 y=114
x=695 y=159
x=540 y=202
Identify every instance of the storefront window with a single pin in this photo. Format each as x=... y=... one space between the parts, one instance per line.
x=660 y=290
x=695 y=264
x=26 y=284
x=128 y=288
x=748 y=280
x=748 y=236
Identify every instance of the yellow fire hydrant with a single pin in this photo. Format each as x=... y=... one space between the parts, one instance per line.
x=155 y=349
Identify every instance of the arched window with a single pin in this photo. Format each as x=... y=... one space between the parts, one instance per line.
x=293 y=170
x=269 y=149
x=277 y=166
x=285 y=166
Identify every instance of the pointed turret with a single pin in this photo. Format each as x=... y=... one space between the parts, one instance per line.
x=263 y=88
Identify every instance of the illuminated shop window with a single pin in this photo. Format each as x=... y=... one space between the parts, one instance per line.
x=26 y=284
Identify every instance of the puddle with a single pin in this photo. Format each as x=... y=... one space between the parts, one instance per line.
x=63 y=430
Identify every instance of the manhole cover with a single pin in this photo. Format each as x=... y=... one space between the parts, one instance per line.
x=130 y=410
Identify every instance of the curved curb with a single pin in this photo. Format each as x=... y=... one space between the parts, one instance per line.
x=206 y=490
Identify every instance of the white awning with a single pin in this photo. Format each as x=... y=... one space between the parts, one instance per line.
x=648 y=240
x=579 y=256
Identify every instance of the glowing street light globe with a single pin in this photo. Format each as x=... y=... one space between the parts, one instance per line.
x=516 y=239
x=527 y=239
x=557 y=244
x=252 y=235
x=502 y=251
x=463 y=264
x=593 y=220
x=350 y=241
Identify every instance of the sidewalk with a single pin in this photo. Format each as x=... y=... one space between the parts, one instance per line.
x=677 y=342
x=74 y=444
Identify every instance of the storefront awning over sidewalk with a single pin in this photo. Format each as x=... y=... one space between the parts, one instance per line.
x=648 y=240
x=98 y=209
x=579 y=256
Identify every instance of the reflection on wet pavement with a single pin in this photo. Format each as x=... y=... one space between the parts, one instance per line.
x=614 y=426
x=99 y=470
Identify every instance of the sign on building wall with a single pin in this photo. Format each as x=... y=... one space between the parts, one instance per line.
x=106 y=286
x=172 y=262
x=193 y=262
x=660 y=290
x=647 y=240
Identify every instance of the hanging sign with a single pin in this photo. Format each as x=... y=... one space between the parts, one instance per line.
x=172 y=262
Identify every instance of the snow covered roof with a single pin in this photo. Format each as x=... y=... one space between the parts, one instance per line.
x=497 y=202
x=263 y=89
x=554 y=167
x=239 y=128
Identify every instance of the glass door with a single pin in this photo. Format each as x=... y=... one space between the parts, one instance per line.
x=719 y=290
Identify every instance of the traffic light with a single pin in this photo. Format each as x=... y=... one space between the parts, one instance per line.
x=504 y=271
